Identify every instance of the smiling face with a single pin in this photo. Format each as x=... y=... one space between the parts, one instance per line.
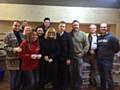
x=103 y=28
x=93 y=28
x=61 y=27
x=34 y=36
x=40 y=31
x=75 y=25
x=51 y=33
x=46 y=23
x=16 y=26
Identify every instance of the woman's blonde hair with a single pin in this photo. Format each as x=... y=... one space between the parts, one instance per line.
x=51 y=30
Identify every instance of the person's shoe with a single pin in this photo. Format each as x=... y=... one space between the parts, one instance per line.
x=92 y=82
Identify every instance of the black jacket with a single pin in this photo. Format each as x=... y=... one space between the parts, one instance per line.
x=90 y=41
x=50 y=48
x=65 y=46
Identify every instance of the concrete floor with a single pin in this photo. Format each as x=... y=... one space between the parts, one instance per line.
x=5 y=86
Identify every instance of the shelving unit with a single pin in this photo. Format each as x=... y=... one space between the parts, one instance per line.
x=2 y=57
x=85 y=74
x=116 y=69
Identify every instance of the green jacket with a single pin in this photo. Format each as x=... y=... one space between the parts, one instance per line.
x=80 y=43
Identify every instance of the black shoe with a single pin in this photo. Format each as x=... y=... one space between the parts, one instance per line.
x=93 y=82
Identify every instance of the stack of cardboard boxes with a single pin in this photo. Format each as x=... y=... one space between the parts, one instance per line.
x=116 y=69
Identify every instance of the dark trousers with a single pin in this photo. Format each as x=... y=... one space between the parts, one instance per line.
x=49 y=73
x=105 y=71
x=76 y=80
x=30 y=80
x=63 y=75
x=15 y=79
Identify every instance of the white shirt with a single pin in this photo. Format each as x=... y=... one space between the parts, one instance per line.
x=61 y=33
x=94 y=42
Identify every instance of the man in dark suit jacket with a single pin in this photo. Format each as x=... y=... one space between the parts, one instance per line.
x=65 y=47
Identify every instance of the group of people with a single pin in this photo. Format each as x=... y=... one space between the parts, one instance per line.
x=45 y=55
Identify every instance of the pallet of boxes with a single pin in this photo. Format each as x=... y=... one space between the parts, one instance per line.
x=116 y=69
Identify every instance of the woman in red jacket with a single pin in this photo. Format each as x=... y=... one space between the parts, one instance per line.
x=30 y=60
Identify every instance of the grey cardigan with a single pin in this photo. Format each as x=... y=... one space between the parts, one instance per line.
x=12 y=58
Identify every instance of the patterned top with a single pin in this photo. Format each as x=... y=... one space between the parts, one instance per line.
x=12 y=58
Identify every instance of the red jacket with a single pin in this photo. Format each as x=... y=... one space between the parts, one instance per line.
x=25 y=55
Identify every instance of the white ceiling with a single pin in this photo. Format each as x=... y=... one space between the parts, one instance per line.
x=79 y=3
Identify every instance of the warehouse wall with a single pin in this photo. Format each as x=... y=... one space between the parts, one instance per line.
x=36 y=13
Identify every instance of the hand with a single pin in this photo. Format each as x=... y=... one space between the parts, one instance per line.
x=68 y=62
x=80 y=55
x=17 y=49
x=92 y=52
x=33 y=56
x=50 y=60
x=39 y=56
x=46 y=58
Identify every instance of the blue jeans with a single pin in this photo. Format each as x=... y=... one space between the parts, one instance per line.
x=15 y=79
x=105 y=71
